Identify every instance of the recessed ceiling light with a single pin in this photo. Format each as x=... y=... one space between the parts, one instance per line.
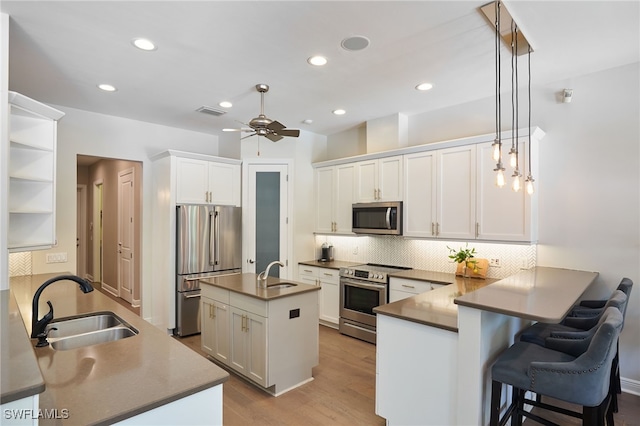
x=355 y=43
x=229 y=130
x=317 y=60
x=225 y=104
x=144 y=44
x=307 y=121
x=339 y=112
x=107 y=87
x=424 y=86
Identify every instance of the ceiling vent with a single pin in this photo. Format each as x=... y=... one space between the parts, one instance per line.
x=211 y=111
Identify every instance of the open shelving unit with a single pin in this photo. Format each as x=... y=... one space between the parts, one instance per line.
x=32 y=173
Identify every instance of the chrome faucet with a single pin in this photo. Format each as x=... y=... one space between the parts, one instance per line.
x=38 y=326
x=262 y=277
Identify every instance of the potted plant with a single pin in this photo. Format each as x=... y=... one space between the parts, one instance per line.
x=465 y=255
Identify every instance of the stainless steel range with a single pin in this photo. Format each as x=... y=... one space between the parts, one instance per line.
x=362 y=288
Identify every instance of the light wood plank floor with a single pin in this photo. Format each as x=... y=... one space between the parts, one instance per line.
x=342 y=392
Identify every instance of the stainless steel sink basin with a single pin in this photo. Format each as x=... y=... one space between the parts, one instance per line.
x=86 y=330
x=92 y=338
x=281 y=286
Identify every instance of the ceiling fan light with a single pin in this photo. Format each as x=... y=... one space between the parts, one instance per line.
x=317 y=60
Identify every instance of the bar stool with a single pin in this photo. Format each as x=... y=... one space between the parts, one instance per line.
x=591 y=307
x=582 y=379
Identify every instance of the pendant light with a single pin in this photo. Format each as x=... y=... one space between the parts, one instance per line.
x=515 y=110
x=497 y=144
x=529 y=181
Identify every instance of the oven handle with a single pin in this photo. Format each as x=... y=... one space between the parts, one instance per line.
x=361 y=284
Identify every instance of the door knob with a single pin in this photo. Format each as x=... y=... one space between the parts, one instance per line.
x=251 y=261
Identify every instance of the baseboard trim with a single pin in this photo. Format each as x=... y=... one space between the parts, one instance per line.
x=630 y=386
x=135 y=303
x=88 y=277
x=111 y=290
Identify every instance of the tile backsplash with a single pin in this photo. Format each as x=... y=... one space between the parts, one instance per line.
x=19 y=264
x=430 y=255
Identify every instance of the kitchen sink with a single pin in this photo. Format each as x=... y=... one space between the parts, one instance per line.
x=86 y=330
x=281 y=286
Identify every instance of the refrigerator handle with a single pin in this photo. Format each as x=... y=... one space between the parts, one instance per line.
x=214 y=237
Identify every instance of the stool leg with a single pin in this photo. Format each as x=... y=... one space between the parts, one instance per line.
x=496 y=394
x=613 y=386
x=518 y=396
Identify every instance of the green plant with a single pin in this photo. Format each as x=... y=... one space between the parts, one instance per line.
x=464 y=255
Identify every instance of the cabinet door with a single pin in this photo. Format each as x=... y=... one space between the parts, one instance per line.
x=456 y=192
x=256 y=336
x=344 y=196
x=224 y=184
x=324 y=199
x=220 y=331
x=192 y=181
x=502 y=214
x=390 y=179
x=419 y=206
x=330 y=301
x=366 y=181
x=238 y=340
x=207 y=327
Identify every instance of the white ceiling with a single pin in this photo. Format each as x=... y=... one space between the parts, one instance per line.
x=209 y=51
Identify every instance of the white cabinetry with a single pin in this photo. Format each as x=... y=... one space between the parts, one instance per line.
x=32 y=174
x=207 y=182
x=334 y=196
x=503 y=214
x=329 y=281
x=440 y=193
x=274 y=342
x=401 y=288
x=379 y=179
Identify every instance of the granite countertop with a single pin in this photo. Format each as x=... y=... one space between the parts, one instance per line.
x=246 y=284
x=435 y=308
x=334 y=264
x=106 y=383
x=21 y=377
x=540 y=294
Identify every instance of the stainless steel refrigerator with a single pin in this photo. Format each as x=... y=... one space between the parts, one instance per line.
x=209 y=243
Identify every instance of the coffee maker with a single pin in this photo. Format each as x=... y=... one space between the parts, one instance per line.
x=326 y=253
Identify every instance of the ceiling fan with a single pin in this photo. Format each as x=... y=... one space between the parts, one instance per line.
x=263 y=126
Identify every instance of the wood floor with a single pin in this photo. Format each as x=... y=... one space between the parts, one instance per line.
x=342 y=392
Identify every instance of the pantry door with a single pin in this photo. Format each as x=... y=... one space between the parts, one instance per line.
x=266 y=217
x=126 y=234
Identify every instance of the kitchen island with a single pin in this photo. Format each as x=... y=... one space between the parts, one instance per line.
x=268 y=335
x=430 y=373
x=149 y=378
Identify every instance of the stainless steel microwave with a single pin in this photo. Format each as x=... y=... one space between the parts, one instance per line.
x=377 y=218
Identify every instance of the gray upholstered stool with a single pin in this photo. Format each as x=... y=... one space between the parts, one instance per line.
x=571 y=376
x=592 y=307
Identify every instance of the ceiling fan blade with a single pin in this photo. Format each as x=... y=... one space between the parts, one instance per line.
x=275 y=126
x=248 y=136
x=294 y=133
x=273 y=137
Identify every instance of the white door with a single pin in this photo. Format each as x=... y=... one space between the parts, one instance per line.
x=96 y=233
x=266 y=218
x=125 y=234
x=81 y=239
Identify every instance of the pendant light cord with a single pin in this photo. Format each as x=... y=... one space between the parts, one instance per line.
x=529 y=92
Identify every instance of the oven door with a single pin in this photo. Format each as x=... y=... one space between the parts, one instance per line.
x=358 y=298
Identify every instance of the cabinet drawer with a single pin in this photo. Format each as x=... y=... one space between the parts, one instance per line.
x=307 y=270
x=249 y=304
x=409 y=286
x=329 y=275
x=215 y=293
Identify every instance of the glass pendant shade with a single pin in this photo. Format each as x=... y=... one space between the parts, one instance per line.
x=530 y=188
x=516 y=183
x=513 y=158
x=500 y=179
x=496 y=151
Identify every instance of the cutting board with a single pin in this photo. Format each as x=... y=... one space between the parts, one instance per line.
x=483 y=267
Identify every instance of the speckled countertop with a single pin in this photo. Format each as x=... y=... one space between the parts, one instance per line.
x=435 y=308
x=21 y=377
x=109 y=382
x=246 y=284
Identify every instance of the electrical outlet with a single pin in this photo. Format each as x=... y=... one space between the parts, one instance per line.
x=355 y=250
x=56 y=257
x=524 y=263
x=495 y=262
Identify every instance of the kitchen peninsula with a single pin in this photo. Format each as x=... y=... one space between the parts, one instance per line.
x=268 y=335
x=149 y=378
x=430 y=373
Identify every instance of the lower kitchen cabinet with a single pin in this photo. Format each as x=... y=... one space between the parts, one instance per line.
x=329 y=281
x=401 y=288
x=274 y=342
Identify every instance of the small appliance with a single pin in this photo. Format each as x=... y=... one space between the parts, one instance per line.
x=326 y=253
x=383 y=218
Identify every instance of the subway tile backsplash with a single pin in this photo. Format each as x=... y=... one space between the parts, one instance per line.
x=431 y=255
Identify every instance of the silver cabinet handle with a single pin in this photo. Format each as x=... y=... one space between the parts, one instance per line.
x=408 y=286
x=308 y=270
x=437 y=229
x=328 y=275
x=433 y=228
x=477 y=229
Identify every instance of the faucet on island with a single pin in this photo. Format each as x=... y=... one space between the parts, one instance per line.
x=262 y=277
x=38 y=326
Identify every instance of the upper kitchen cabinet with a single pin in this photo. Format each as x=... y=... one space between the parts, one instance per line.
x=503 y=214
x=439 y=196
x=335 y=186
x=207 y=182
x=32 y=174
x=379 y=179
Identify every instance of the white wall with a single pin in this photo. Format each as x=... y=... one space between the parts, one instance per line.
x=588 y=187
x=82 y=132
x=4 y=149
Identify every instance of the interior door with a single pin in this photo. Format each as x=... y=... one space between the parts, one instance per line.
x=266 y=218
x=125 y=234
